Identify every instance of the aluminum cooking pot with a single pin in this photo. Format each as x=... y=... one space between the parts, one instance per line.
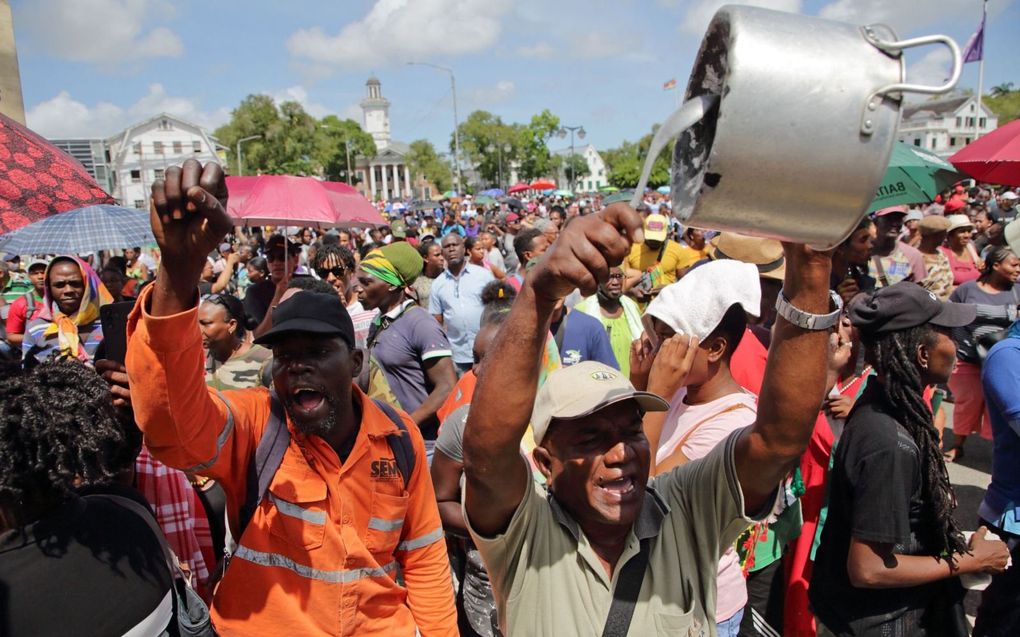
x=805 y=124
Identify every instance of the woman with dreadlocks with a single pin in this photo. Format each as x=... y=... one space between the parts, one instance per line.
x=891 y=549
x=71 y=564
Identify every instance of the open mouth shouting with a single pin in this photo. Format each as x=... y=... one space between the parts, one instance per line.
x=617 y=490
x=308 y=403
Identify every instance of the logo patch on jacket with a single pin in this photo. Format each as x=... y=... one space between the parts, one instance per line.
x=385 y=469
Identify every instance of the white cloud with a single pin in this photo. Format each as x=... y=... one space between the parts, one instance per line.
x=700 y=13
x=109 y=33
x=299 y=94
x=64 y=116
x=932 y=69
x=538 y=50
x=901 y=16
x=398 y=31
x=498 y=93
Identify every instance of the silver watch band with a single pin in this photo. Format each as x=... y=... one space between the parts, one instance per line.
x=806 y=320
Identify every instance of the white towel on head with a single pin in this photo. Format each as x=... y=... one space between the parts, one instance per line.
x=695 y=304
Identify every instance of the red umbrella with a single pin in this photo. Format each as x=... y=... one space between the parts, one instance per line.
x=994 y=158
x=283 y=200
x=38 y=180
x=518 y=188
x=543 y=184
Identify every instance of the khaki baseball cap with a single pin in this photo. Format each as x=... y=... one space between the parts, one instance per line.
x=581 y=390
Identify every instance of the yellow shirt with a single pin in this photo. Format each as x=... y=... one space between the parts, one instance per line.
x=645 y=259
x=690 y=256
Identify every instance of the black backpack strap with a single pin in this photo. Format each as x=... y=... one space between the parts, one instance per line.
x=628 y=585
x=263 y=465
x=400 y=443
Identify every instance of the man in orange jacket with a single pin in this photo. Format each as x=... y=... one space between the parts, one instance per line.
x=321 y=552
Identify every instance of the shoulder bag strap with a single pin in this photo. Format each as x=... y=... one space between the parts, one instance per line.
x=625 y=595
x=400 y=443
x=267 y=459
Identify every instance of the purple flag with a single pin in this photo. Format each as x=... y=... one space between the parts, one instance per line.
x=974 y=51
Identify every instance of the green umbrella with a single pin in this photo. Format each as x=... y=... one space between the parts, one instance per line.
x=915 y=175
x=450 y=194
x=563 y=193
x=484 y=200
x=620 y=195
x=609 y=189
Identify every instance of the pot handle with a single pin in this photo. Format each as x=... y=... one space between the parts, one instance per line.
x=895 y=48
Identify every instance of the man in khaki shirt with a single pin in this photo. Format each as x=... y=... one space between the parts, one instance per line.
x=555 y=560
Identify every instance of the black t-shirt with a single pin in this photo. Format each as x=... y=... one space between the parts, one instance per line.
x=875 y=496
x=257 y=299
x=90 y=567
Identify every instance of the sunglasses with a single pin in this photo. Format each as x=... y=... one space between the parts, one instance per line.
x=337 y=271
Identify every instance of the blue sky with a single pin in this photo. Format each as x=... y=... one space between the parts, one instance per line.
x=90 y=67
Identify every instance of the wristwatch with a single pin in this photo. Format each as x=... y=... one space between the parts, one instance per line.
x=806 y=320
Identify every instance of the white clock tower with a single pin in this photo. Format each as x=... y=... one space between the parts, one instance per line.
x=376 y=112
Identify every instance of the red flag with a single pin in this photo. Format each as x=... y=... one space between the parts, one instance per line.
x=670 y=84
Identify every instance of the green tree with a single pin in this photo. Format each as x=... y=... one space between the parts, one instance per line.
x=424 y=160
x=534 y=159
x=255 y=115
x=331 y=152
x=574 y=167
x=1002 y=89
x=480 y=132
x=626 y=162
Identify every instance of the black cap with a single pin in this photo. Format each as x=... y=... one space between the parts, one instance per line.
x=310 y=313
x=906 y=305
x=277 y=240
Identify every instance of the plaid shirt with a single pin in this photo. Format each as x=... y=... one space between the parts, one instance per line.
x=181 y=516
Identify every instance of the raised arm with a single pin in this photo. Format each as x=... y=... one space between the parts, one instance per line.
x=496 y=477
x=794 y=384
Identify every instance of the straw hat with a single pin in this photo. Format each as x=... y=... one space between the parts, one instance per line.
x=765 y=254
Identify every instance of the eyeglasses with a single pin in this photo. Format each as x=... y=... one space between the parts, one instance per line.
x=337 y=271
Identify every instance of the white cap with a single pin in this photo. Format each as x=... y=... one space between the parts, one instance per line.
x=581 y=390
x=1009 y=195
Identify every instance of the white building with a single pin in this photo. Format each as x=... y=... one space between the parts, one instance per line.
x=142 y=152
x=385 y=176
x=945 y=126
x=595 y=178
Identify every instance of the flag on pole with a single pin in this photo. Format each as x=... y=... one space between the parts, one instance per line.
x=670 y=84
x=974 y=51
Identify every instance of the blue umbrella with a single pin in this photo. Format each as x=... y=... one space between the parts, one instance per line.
x=492 y=192
x=663 y=190
x=86 y=229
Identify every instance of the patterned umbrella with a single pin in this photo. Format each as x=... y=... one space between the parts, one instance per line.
x=83 y=230
x=38 y=180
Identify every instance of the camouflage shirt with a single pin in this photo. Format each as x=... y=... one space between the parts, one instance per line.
x=241 y=372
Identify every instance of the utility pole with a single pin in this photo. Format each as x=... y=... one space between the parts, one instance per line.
x=240 y=164
x=580 y=135
x=456 y=121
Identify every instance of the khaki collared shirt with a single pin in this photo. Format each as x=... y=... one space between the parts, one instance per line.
x=547 y=580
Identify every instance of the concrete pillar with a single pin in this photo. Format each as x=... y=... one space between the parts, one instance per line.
x=407 y=180
x=371 y=181
x=385 y=183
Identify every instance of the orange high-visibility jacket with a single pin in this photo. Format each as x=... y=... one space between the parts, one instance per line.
x=321 y=553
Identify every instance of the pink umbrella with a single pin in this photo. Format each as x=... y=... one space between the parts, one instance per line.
x=995 y=158
x=283 y=200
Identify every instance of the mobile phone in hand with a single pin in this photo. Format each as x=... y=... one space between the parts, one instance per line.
x=113 y=318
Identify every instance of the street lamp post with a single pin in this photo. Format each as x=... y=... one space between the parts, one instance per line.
x=499 y=149
x=580 y=135
x=456 y=122
x=240 y=165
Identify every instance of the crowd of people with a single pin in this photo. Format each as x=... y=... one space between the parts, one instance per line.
x=539 y=416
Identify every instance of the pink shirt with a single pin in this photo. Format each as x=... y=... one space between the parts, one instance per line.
x=700 y=428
